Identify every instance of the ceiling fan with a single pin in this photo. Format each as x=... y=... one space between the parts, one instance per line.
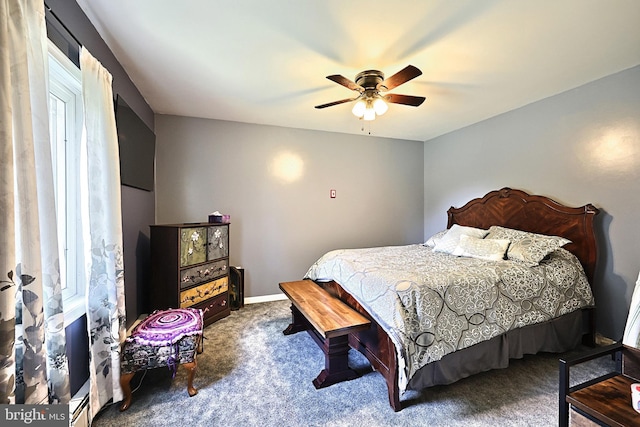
x=372 y=87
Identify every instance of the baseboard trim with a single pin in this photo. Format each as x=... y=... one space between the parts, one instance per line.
x=264 y=298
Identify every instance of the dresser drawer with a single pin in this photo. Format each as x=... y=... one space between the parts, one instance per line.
x=203 y=273
x=193 y=246
x=218 y=241
x=203 y=292
x=215 y=308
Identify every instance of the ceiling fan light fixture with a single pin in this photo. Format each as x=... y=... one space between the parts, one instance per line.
x=359 y=108
x=379 y=106
x=369 y=112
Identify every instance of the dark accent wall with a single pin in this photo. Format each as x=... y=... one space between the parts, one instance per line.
x=68 y=26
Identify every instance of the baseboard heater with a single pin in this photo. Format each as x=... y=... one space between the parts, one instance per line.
x=79 y=407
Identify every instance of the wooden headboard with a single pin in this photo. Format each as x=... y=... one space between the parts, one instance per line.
x=537 y=214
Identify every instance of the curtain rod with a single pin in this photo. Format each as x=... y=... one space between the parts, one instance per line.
x=50 y=11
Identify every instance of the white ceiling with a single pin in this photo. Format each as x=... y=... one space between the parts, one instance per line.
x=265 y=61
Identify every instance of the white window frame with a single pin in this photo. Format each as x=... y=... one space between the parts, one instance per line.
x=65 y=84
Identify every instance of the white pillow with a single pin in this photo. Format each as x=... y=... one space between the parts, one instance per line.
x=449 y=241
x=487 y=249
x=431 y=241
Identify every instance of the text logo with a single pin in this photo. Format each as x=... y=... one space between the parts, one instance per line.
x=34 y=415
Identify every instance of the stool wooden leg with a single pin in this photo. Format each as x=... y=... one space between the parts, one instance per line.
x=125 y=380
x=200 y=345
x=191 y=367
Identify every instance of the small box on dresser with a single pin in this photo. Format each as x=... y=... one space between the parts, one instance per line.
x=190 y=268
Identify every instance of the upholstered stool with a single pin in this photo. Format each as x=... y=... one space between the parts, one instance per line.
x=166 y=338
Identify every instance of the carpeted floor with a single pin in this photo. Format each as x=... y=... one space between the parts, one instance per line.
x=250 y=374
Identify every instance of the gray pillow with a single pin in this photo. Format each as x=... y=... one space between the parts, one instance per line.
x=526 y=247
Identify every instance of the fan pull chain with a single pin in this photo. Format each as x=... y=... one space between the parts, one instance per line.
x=368 y=124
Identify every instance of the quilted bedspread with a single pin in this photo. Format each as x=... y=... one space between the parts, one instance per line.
x=432 y=304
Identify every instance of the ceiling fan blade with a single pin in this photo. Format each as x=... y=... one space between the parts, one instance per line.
x=345 y=82
x=414 y=101
x=342 y=101
x=407 y=73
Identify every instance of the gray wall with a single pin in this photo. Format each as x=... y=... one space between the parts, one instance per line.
x=275 y=183
x=578 y=147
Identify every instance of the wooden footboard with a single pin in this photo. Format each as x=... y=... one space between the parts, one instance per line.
x=373 y=343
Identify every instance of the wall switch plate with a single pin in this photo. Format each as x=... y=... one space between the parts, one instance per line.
x=332 y=194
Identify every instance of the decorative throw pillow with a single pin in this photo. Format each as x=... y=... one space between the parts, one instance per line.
x=526 y=247
x=487 y=249
x=431 y=241
x=450 y=240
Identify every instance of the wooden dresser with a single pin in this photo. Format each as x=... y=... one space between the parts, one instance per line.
x=190 y=268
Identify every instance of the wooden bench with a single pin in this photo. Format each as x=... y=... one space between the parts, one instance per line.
x=329 y=321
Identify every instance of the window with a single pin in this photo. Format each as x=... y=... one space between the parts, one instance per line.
x=65 y=123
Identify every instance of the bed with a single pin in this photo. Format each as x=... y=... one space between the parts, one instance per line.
x=425 y=332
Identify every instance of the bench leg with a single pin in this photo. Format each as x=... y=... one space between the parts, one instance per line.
x=336 y=352
x=298 y=323
x=336 y=363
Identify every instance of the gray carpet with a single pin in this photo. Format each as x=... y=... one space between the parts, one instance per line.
x=250 y=374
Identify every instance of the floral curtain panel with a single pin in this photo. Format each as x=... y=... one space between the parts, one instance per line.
x=105 y=292
x=33 y=362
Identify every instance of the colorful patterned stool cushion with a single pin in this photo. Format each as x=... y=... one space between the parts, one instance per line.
x=166 y=327
x=165 y=338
